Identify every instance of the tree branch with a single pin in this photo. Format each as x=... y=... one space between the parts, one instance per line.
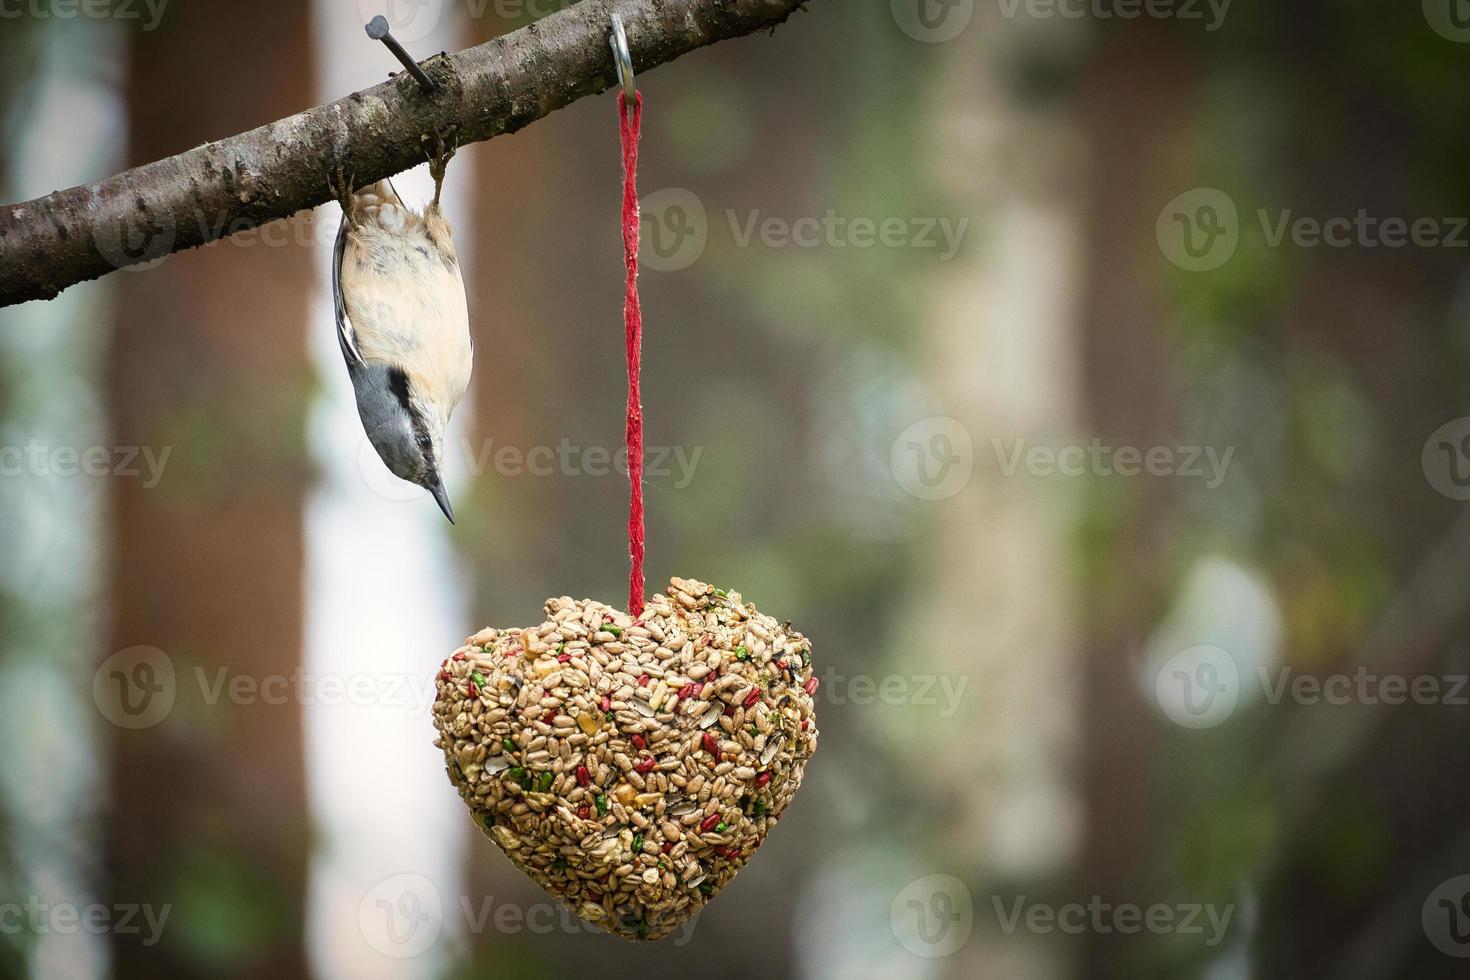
x=245 y=181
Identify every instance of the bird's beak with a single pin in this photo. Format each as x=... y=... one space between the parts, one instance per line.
x=441 y=497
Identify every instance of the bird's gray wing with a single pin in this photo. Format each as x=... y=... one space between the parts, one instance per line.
x=344 y=325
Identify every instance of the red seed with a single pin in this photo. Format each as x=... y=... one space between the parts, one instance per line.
x=606 y=703
x=689 y=691
x=444 y=675
x=644 y=766
x=811 y=685
x=722 y=851
x=563 y=658
x=639 y=742
x=732 y=853
x=710 y=822
x=461 y=656
x=584 y=812
x=668 y=846
x=583 y=777
x=806 y=724
x=643 y=680
x=729 y=709
x=780 y=664
x=751 y=698
x=762 y=778
x=710 y=745
x=472 y=690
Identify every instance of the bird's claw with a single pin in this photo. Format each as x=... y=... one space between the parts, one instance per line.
x=341 y=186
x=444 y=151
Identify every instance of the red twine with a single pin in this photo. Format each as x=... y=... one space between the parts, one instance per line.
x=628 y=128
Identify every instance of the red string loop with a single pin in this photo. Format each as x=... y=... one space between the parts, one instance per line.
x=629 y=125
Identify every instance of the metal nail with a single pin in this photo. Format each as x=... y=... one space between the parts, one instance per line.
x=377 y=29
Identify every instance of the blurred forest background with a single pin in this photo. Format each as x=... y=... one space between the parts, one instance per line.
x=1054 y=688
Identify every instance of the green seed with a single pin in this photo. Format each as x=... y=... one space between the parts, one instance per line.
x=741 y=653
x=602 y=804
x=478 y=678
x=720 y=827
x=637 y=843
x=614 y=630
x=547 y=779
x=509 y=745
x=516 y=773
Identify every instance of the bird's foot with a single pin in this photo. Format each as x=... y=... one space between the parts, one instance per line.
x=340 y=186
x=444 y=151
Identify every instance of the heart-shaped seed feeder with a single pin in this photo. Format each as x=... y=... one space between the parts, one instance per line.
x=631 y=765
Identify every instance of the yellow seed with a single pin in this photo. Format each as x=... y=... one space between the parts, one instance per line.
x=588 y=723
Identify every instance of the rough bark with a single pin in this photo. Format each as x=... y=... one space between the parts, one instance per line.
x=230 y=185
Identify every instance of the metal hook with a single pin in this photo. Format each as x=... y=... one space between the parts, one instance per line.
x=622 y=57
x=377 y=29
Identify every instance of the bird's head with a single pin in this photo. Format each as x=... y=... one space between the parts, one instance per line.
x=407 y=426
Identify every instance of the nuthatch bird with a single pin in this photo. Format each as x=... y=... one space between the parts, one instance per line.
x=403 y=324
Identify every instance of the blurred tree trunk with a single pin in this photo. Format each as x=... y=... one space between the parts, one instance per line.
x=208 y=359
x=1136 y=105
